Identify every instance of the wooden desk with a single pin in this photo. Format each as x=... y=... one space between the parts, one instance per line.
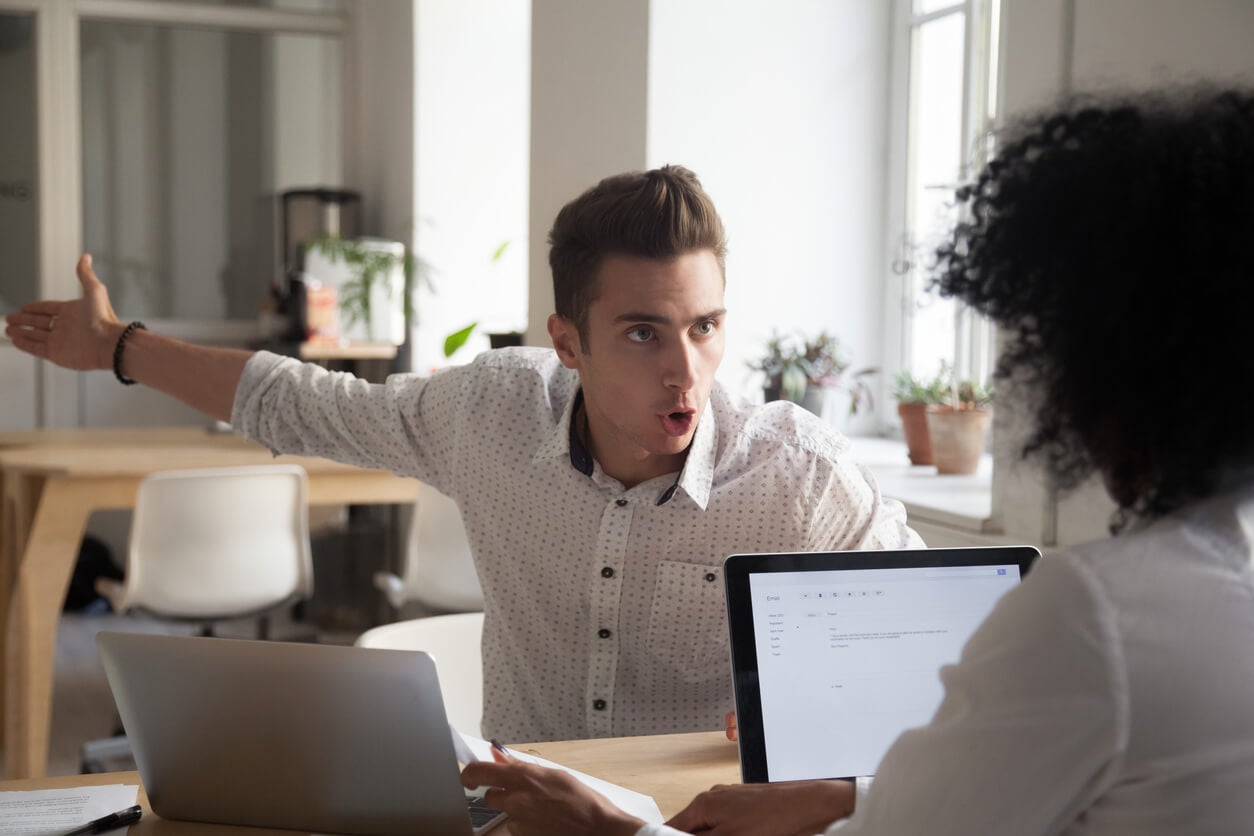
x=672 y=768
x=50 y=491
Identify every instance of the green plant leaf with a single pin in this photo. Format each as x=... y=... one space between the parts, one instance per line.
x=457 y=339
x=500 y=251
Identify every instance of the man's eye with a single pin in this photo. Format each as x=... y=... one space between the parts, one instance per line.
x=641 y=334
x=707 y=328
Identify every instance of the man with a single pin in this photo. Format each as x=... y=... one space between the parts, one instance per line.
x=602 y=483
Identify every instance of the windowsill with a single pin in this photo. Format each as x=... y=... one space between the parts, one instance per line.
x=963 y=502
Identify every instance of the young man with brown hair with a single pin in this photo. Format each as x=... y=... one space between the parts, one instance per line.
x=602 y=483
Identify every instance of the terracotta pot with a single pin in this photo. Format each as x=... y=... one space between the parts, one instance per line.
x=957 y=437
x=914 y=426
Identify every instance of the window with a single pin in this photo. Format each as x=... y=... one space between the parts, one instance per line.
x=944 y=93
x=189 y=133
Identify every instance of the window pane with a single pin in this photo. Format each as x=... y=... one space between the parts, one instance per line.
x=188 y=135
x=19 y=210
x=935 y=165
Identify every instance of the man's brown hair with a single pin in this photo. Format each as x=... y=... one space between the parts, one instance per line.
x=663 y=213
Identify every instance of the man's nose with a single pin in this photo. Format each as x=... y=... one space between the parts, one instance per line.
x=680 y=371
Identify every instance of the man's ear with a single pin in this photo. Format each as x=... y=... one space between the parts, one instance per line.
x=566 y=342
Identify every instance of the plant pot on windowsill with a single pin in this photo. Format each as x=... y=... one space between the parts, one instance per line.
x=914 y=428
x=958 y=437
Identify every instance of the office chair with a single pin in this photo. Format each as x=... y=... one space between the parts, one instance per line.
x=207 y=546
x=217 y=544
x=454 y=641
x=439 y=572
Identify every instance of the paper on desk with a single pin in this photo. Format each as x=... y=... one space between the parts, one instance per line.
x=47 y=812
x=637 y=804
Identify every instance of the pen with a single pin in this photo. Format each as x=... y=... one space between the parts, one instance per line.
x=122 y=818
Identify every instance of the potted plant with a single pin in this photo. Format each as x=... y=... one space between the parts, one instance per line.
x=807 y=371
x=375 y=281
x=914 y=395
x=959 y=428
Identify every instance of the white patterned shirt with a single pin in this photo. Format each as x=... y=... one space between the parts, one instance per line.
x=603 y=605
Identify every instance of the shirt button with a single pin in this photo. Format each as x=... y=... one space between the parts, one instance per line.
x=709 y=576
x=621 y=503
x=603 y=633
x=607 y=572
x=599 y=705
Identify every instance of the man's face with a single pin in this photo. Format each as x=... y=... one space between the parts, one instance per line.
x=654 y=341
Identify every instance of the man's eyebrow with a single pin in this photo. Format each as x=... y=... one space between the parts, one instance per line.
x=658 y=319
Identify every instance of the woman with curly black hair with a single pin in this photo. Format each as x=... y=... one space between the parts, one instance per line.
x=1112 y=692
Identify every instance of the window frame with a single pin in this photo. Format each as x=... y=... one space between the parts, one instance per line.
x=974 y=337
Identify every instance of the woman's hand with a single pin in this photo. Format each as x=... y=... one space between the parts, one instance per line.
x=547 y=802
x=791 y=808
x=77 y=334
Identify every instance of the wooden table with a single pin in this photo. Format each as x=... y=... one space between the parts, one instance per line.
x=50 y=490
x=672 y=768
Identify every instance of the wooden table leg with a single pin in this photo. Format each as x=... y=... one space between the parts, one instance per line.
x=42 y=578
x=20 y=497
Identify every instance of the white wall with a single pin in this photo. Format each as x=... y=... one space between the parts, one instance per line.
x=472 y=146
x=1048 y=48
x=782 y=110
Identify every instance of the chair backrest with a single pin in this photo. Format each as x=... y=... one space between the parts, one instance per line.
x=220 y=542
x=439 y=571
x=454 y=642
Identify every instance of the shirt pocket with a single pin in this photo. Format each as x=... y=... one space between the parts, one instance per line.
x=688 y=621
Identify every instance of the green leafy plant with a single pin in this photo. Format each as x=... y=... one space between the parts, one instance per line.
x=367 y=264
x=791 y=365
x=910 y=389
x=974 y=395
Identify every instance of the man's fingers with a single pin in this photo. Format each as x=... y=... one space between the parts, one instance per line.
x=24 y=343
x=35 y=321
x=86 y=276
x=487 y=774
x=45 y=308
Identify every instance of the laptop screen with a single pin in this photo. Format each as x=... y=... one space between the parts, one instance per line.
x=835 y=654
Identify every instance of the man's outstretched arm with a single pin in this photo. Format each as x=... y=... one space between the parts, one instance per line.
x=83 y=333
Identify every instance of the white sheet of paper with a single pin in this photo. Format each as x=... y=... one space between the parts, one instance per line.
x=629 y=801
x=51 y=812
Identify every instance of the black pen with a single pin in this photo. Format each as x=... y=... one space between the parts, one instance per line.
x=122 y=818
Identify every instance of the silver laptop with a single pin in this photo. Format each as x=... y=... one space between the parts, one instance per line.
x=835 y=654
x=318 y=738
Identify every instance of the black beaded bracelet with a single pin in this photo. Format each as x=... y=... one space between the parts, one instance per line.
x=117 y=352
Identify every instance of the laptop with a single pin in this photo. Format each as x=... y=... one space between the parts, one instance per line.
x=835 y=654
x=320 y=738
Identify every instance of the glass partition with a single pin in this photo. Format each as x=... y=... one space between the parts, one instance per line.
x=19 y=186
x=189 y=134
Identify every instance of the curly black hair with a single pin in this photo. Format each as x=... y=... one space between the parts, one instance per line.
x=1113 y=240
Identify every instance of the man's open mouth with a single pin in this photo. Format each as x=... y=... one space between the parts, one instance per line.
x=679 y=422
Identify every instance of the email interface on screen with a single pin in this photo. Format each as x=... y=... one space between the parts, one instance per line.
x=849 y=659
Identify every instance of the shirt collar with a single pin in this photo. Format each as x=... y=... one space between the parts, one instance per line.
x=695 y=478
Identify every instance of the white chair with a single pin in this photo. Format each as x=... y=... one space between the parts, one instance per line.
x=439 y=572
x=454 y=641
x=216 y=544
x=211 y=545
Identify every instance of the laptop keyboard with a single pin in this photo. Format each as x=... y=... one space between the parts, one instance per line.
x=480 y=813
